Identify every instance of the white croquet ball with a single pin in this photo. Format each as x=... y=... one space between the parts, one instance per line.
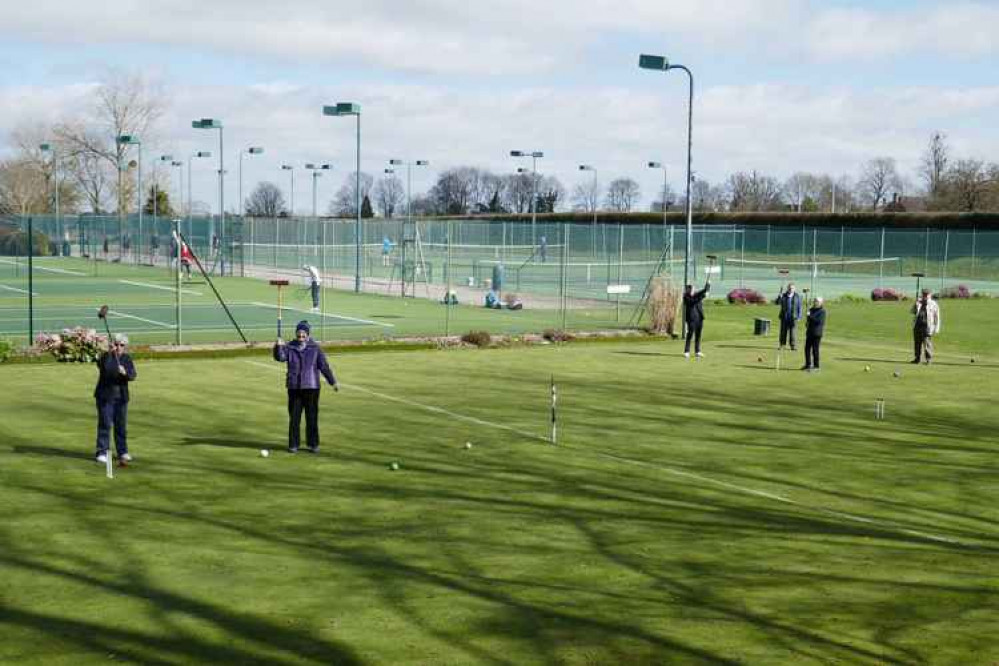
x=264 y=453
x=468 y=445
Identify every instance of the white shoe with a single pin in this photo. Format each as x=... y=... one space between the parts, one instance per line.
x=125 y=458
x=102 y=459
x=686 y=354
x=700 y=355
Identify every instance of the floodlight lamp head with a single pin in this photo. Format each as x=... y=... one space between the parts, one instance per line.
x=45 y=147
x=342 y=109
x=166 y=158
x=255 y=150
x=517 y=153
x=395 y=162
x=656 y=62
x=326 y=167
x=655 y=165
x=389 y=170
x=207 y=123
x=176 y=163
x=310 y=165
x=127 y=139
x=422 y=162
x=537 y=153
x=287 y=167
x=522 y=170
x=203 y=153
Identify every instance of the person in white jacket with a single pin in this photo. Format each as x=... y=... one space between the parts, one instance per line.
x=315 y=282
x=926 y=324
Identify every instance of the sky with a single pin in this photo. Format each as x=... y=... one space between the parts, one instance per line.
x=780 y=85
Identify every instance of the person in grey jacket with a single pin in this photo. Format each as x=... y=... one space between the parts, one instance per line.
x=115 y=371
x=306 y=362
x=790 y=312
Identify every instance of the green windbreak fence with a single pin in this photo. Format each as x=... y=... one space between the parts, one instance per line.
x=564 y=275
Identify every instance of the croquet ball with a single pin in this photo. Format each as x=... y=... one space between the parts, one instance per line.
x=972 y=360
x=896 y=374
x=264 y=453
x=468 y=445
x=867 y=368
x=394 y=466
x=759 y=359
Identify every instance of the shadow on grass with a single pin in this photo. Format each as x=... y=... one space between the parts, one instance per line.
x=31 y=450
x=230 y=442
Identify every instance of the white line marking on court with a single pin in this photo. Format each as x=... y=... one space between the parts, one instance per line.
x=65 y=271
x=325 y=314
x=689 y=475
x=20 y=291
x=148 y=321
x=158 y=286
x=429 y=408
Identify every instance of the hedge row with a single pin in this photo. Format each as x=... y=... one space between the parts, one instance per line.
x=980 y=221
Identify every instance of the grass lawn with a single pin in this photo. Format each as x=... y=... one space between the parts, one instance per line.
x=708 y=512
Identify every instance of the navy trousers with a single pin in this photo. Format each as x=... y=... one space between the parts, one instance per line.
x=300 y=400
x=314 y=288
x=112 y=413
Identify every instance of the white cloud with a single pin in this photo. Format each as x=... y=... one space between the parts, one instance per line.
x=777 y=129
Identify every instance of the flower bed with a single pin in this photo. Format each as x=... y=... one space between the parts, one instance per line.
x=744 y=296
x=886 y=294
x=79 y=345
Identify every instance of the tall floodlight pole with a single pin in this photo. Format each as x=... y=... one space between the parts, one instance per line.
x=130 y=140
x=590 y=167
x=534 y=155
x=352 y=109
x=291 y=169
x=409 y=181
x=253 y=150
x=190 y=207
x=660 y=63
x=210 y=124
x=179 y=165
x=660 y=165
x=49 y=148
x=316 y=170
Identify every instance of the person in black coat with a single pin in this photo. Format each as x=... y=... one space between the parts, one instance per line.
x=693 y=316
x=115 y=370
x=815 y=326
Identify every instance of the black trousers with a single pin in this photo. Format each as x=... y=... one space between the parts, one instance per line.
x=299 y=400
x=787 y=334
x=812 y=345
x=112 y=413
x=694 y=328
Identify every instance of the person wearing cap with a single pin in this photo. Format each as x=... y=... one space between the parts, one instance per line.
x=925 y=325
x=693 y=317
x=815 y=326
x=306 y=362
x=312 y=275
x=115 y=371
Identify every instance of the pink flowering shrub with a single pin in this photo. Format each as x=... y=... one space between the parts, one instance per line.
x=886 y=294
x=80 y=345
x=744 y=296
x=960 y=291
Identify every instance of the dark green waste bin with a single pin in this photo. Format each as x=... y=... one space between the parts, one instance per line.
x=761 y=326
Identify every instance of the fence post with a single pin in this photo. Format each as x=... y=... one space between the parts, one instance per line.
x=881 y=264
x=926 y=256
x=973 y=239
x=31 y=283
x=768 y=242
x=620 y=265
x=943 y=273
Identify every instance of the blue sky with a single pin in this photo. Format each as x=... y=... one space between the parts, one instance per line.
x=782 y=85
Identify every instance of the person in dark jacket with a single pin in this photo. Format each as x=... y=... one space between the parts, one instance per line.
x=790 y=312
x=115 y=370
x=815 y=326
x=306 y=362
x=693 y=317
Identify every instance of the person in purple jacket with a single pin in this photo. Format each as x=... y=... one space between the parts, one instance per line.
x=306 y=361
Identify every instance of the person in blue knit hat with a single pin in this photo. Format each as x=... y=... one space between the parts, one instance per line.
x=306 y=362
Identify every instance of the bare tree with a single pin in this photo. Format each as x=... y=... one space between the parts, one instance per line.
x=344 y=204
x=519 y=190
x=968 y=185
x=933 y=166
x=753 y=191
x=493 y=189
x=458 y=191
x=551 y=194
x=388 y=194
x=878 y=179
x=22 y=188
x=586 y=196
x=663 y=206
x=622 y=195
x=124 y=104
x=266 y=200
x=803 y=191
